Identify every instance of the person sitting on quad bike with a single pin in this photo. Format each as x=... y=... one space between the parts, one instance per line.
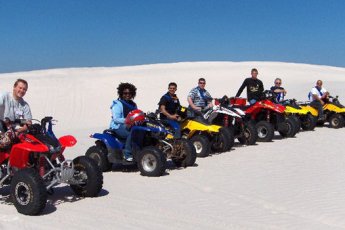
x=318 y=96
x=199 y=98
x=278 y=90
x=255 y=87
x=119 y=110
x=168 y=106
x=12 y=107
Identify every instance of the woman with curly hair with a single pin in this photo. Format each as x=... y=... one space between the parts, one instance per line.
x=119 y=110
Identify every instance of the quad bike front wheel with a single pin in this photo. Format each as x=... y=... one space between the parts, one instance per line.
x=201 y=145
x=289 y=129
x=308 y=122
x=28 y=192
x=336 y=121
x=223 y=141
x=151 y=162
x=265 y=131
x=250 y=134
x=88 y=177
x=297 y=122
x=99 y=154
x=187 y=152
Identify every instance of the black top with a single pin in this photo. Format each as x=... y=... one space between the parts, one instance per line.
x=171 y=104
x=255 y=88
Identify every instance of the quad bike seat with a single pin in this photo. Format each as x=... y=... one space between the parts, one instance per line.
x=114 y=134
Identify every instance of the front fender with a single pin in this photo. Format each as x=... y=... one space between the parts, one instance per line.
x=292 y=110
x=195 y=126
x=19 y=156
x=333 y=108
x=67 y=141
x=310 y=110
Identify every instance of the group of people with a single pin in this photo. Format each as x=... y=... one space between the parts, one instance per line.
x=199 y=99
x=13 y=106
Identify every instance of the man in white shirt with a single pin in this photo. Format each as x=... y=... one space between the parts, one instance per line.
x=318 y=95
x=12 y=107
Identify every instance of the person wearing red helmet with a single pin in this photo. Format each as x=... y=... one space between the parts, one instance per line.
x=120 y=108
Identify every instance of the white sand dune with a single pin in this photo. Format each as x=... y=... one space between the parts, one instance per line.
x=295 y=183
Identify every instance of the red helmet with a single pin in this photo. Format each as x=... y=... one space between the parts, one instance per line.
x=134 y=117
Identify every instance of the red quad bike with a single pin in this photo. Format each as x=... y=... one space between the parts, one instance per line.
x=268 y=117
x=35 y=163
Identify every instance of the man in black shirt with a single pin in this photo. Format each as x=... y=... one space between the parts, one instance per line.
x=169 y=103
x=168 y=106
x=254 y=86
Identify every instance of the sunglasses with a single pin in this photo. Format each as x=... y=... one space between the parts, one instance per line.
x=202 y=83
x=278 y=83
x=126 y=93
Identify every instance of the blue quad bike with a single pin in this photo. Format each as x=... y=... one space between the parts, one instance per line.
x=152 y=144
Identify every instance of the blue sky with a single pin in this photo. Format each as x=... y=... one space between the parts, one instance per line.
x=42 y=34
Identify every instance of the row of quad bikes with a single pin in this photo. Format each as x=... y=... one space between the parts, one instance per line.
x=35 y=164
x=213 y=130
x=210 y=131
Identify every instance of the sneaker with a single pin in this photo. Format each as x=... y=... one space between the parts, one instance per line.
x=129 y=159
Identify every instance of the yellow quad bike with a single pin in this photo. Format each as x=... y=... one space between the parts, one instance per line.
x=304 y=115
x=204 y=136
x=334 y=113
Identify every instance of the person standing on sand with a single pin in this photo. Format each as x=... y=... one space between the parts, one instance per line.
x=255 y=87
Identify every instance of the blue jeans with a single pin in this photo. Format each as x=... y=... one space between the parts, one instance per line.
x=176 y=127
x=124 y=133
x=252 y=101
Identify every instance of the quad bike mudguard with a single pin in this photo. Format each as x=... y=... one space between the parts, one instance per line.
x=3 y=156
x=333 y=108
x=311 y=110
x=19 y=156
x=265 y=104
x=195 y=126
x=291 y=110
x=67 y=141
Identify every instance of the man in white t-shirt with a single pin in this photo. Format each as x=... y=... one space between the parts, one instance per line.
x=318 y=95
x=12 y=107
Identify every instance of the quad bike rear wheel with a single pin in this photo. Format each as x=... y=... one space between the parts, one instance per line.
x=28 y=192
x=89 y=177
x=265 y=131
x=151 y=162
x=99 y=154
x=336 y=121
x=201 y=145
x=223 y=141
x=250 y=135
x=186 y=149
